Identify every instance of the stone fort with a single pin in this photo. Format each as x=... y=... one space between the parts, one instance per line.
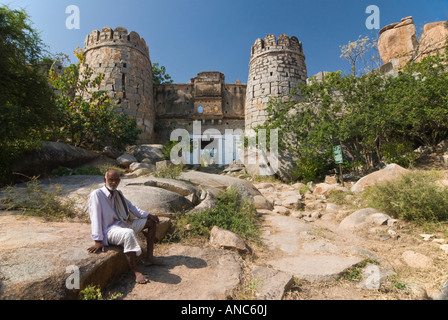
x=276 y=66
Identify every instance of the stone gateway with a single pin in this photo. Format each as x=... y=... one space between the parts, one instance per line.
x=276 y=67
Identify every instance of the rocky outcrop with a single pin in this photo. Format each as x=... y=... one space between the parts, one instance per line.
x=37 y=259
x=398 y=41
x=51 y=156
x=389 y=173
x=433 y=39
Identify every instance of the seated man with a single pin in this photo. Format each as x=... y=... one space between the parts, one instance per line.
x=110 y=215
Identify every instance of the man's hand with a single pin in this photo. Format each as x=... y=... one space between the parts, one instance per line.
x=154 y=218
x=98 y=246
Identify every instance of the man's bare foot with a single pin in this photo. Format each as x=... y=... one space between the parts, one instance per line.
x=140 y=278
x=154 y=262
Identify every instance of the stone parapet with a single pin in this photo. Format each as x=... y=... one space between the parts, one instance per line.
x=117 y=37
x=276 y=68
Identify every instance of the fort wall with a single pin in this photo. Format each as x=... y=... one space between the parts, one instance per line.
x=276 y=67
x=207 y=98
x=123 y=59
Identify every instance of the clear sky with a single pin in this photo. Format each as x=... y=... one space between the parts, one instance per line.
x=190 y=36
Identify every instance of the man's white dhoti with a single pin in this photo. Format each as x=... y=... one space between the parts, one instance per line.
x=126 y=236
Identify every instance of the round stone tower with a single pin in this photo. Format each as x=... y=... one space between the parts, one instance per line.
x=123 y=59
x=276 y=68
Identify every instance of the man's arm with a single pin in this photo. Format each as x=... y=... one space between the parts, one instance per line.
x=95 y=213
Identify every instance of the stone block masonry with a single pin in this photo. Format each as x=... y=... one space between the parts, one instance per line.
x=276 y=68
x=123 y=59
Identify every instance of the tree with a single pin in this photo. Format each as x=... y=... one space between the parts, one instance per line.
x=159 y=75
x=27 y=106
x=355 y=52
x=87 y=114
x=376 y=118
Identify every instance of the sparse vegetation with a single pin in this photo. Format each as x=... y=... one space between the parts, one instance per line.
x=85 y=170
x=171 y=172
x=231 y=213
x=355 y=273
x=92 y=292
x=415 y=197
x=35 y=200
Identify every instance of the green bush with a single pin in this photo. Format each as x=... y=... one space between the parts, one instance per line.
x=231 y=213
x=311 y=168
x=414 y=197
x=401 y=153
x=87 y=114
x=92 y=292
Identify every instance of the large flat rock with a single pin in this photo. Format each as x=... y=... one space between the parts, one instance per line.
x=217 y=181
x=35 y=256
x=315 y=268
x=282 y=233
x=191 y=273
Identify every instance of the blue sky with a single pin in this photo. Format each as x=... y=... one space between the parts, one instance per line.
x=190 y=36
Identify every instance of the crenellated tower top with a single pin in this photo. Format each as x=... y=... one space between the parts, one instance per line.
x=117 y=37
x=272 y=45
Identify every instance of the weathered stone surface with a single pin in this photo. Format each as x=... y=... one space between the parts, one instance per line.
x=319 y=247
x=35 y=256
x=139 y=165
x=261 y=203
x=284 y=233
x=125 y=160
x=357 y=219
x=398 y=41
x=417 y=260
x=163 y=165
x=217 y=181
x=163 y=227
x=152 y=152
x=206 y=204
x=271 y=284
x=51 y=156
x=281 y=210
x=156 y=200
x=433 y=38
x=325 y=188
x=226 y=239
x=191 y=273
x=243 y=191
x=389 y=173
x=378 y=218
x=292 y=202
x=315 y=268
x=182 y=188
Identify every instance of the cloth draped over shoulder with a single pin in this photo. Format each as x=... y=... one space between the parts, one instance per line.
x=122 y=209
